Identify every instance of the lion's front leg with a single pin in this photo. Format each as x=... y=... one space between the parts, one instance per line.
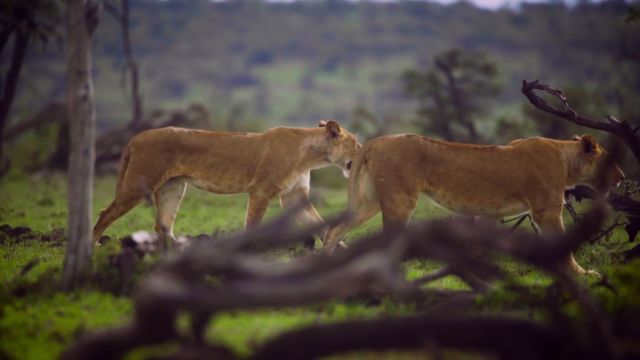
x=550 y=222
x=257 y=206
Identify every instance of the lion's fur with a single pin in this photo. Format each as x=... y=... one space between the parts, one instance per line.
x=161 y=162
x=526 y=175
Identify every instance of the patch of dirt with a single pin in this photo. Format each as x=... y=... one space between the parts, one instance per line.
x=23 y=233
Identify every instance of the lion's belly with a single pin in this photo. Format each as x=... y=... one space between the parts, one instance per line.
x=477 y=204
x=220 y=185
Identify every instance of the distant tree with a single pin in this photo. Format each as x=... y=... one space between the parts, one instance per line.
x=121 y=13
x=81 y=23
x=453 y=93
x=509 y=128
x=622 y=87
x=364 y=122
x=26 y=21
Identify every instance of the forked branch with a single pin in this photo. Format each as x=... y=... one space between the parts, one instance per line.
x=619 y=128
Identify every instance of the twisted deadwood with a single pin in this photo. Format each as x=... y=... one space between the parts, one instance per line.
x=510 y=338
x=371 y=267
x=619 y=128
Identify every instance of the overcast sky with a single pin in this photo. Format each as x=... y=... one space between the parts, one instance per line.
x=487 y=4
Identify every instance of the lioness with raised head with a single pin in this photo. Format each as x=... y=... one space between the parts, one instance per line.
x=526 y=175
x=161 y=162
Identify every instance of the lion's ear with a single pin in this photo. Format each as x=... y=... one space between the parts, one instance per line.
x=333 y=128
x=588 y=144
x=576 y=138
x=322 y=123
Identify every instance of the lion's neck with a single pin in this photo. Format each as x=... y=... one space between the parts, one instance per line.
x=571 y=153
x=313 y=152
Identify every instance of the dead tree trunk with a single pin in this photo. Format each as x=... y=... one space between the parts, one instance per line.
x=82 y=20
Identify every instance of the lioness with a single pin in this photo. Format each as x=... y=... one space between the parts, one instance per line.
x=163 y=161
x=526 y=175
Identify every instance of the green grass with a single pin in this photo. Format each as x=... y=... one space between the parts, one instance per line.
x=37 y=322
x=40 y=327
x=16 y=256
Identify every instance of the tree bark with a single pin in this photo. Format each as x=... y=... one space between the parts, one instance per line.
x=82 y=120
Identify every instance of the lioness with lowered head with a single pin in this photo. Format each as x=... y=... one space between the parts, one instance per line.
x=527 y=175
x=163 y=161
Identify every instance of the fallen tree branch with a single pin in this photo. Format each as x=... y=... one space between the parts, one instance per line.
x=510 y=338
x=371 y=267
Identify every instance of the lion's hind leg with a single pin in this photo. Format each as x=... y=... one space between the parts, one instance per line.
x=363 y=205
x=167 y=202
x=118 y=207
x=397 y=201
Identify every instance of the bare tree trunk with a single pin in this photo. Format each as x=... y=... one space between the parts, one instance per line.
x=21 y=39
x=82 y=120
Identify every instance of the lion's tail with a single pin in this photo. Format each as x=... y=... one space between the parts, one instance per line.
x=358 y=162
x=358 y=168
x=124 y=165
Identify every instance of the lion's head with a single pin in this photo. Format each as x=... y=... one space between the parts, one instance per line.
x=342 y=145
x=591 y=157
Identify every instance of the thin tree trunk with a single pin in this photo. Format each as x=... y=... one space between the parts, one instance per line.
x=82 y=119
x=21 y=40
x=132 y=65
x=4 y=36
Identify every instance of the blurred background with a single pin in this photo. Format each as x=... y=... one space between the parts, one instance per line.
x=450 y=71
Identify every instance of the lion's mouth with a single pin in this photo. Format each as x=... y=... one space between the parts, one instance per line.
x=349 y=164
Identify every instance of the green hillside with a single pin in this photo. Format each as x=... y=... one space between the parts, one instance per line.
x=267 y=63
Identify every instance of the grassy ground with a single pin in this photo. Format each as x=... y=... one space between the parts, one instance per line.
x=37 y=322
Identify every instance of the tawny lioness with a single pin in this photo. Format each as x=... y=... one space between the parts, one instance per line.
x=161 y=162
x=526 y=175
